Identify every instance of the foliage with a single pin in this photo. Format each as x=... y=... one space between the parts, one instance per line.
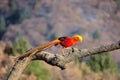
x=83 y=67
x=39 y=69
x=118 y=4
x=102 y=62
x=13 y=6
x=35 y=67
x=8 y=48
x=16 y=14
x=2 y=26
x=79 y=30
x=77 y=61
x=24 y=14
x=20 y=45
x=96 y=34
x=50 y=36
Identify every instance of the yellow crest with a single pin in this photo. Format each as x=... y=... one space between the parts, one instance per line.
x=79 y=37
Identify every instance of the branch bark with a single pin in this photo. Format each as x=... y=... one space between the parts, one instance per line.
x=58 y=60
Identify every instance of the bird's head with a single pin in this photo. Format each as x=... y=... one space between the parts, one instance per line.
x=78 y=38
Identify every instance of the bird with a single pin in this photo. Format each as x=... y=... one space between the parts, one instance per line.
x=65 y=41
x=69 y=41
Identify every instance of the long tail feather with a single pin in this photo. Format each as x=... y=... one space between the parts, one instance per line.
x=39 y=48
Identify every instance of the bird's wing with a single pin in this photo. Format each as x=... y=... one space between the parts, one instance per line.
x=63 y=38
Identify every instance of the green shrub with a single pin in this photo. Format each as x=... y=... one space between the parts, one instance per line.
x=83 y=67
x=20 y=45
x=81 y=31
x=77 y=61
x=50 y=36
x=24 y=14
x=102 y=62
x=2 y=24
x=13 y=16
x=13 y=6
x=96 y=35
x=17 y=15
x=37 y=68
x=118 y=4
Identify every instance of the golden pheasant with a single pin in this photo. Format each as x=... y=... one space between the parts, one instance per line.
x=69 y=41
x=65 y=42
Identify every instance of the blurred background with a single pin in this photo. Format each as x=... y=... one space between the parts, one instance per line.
x=27 y=23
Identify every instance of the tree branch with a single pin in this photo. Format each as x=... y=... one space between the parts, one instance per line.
x=58 y=60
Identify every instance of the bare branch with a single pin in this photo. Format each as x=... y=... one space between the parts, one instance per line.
x=58 y=60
